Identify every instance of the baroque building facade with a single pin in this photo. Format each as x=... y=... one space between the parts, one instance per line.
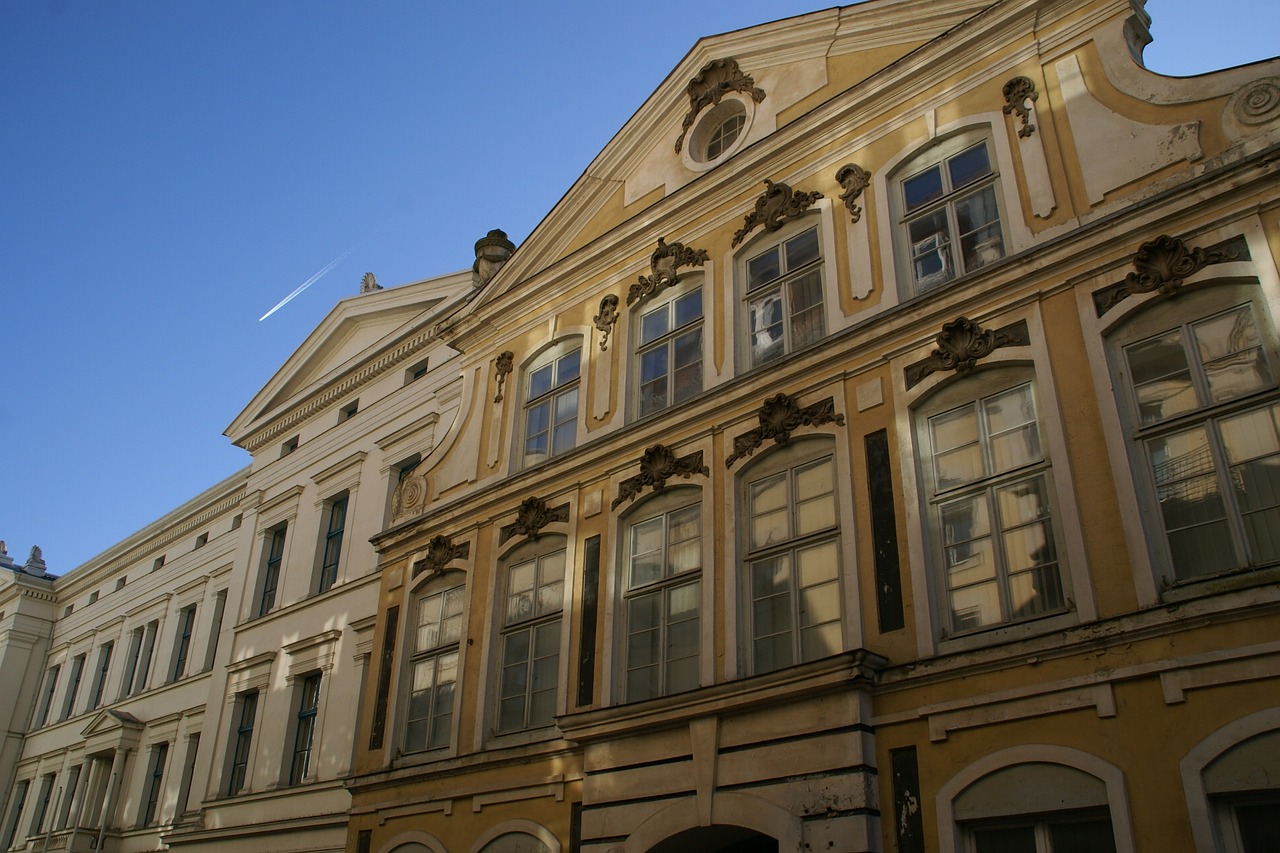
x=877 y=449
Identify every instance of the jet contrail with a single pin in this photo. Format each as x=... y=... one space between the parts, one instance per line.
x=323 y=271
x=283 y=302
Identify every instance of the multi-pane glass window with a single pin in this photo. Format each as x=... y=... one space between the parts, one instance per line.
x=305 y=728
x=271 y=571
x=100 y=679
x=551 y=406
x=155 y=784
x=670 y=352
x=993 y=511
x=243 y=742
x=333 y=542
x=182 y=650
x=1065 y=833
x=793 y=565
x=990 y=496
x=73 y=687
x=434 y=666
x=1209 y=429
x=531 y=642
x=784 y=297
x=950 y=215
x=724 y=135
x=663 y=600
x=46 y=702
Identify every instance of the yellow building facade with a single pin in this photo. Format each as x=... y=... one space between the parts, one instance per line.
x=878 y=448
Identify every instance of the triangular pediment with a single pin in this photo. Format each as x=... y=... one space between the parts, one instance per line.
x=358 y=332
x=780 y=71
x=109 y=721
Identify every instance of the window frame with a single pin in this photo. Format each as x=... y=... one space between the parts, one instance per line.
x=240 y=751
x=182 y=642
x=336 y=514
x=272 y=567
x=1146 y=321
x=663 y=506
x=934 y=153
x=156 y=765
x=987 y=383
x=781 y=283
x=551 y=620
x=667 y=342
x=786 y=461
x=51 y=675
x=305 y=720
x=73 y=686
x=551 y=356
x=441 y=585
x=102 y=670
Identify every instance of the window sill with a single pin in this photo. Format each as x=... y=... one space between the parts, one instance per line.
x=999 y=634
x=1177 y=591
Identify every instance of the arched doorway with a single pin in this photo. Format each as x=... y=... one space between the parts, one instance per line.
x=717 y=839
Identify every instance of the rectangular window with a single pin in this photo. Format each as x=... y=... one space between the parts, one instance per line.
x=337 y=519
x=663 y=604
x=670 y=352
x=304 y=733
x=73 y=687
x=242 y=742
x=215 y=628
x=144 y=656
x=15 y=812
x=531 y=643
x=100 y=675
x=429 y=717
x=68 y=796
x=188 y=773
x=793 y=563
x=155 y=784
x=131 y=661
x=551 y=405
x=991 y=502
x=348 y=411
x=201 y=541
x=271 y=569
x=288 y=447
x=182 y=647
x=42 y=804
x=784 y=298
x=46 y=700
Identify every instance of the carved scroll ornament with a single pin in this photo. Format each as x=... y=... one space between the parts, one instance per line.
x=1019 y=94
x=665 y=262
x=531 y=517
x=717 y=78
x=775 y=207
x=369 y=283
x=780 y=416
x=1162 y=264
x=606 y=318
x=410 y=496
x=658 y=465
x=502 y=366
x=853 y=179
x=440 y=552
x=962 y=343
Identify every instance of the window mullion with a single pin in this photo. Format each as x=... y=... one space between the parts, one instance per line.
x=1001 y=558
x=1234 y=512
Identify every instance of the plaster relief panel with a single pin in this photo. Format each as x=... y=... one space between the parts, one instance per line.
x=1112 y=148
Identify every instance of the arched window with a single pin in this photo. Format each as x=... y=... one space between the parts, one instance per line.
x=791 y=556
x=989 y=502
x=532 y=605
x=433 y=665
x=945 y=202
x=662 y=595
x=1199 y=388
x=1035 y=808
x=550 y=402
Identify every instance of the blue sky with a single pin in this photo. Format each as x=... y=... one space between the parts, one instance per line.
x=169 y=171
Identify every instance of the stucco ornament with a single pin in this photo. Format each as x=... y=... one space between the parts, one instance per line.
x=369 y=283
x=502 y=366
x=665 y=262
x=1163 y=264
x=775 y=207
x=1258 y=102
x=410 y=496
x=853 y=179
x=1019 y=94
x=962 y=343
x=717 y=78
x=440 y=552
x=606 y=318
x=658 y=465
x=531 y=517
x=781 y=415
